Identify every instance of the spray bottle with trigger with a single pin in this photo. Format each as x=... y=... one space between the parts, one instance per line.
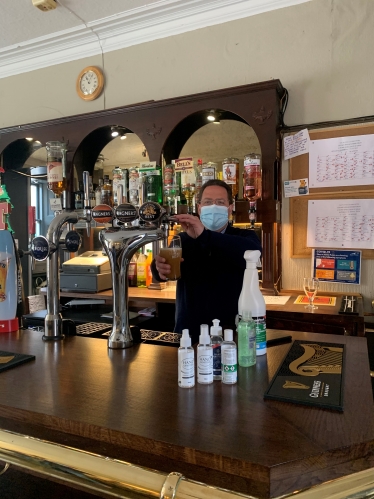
x=251 y=299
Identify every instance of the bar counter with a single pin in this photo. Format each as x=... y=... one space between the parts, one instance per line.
x=289 y=315
x=126 y=404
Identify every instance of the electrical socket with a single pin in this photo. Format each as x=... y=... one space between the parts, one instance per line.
x=45 y=5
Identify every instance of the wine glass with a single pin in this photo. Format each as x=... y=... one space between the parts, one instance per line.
x=311 y=285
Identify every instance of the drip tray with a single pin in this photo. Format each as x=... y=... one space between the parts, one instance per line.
x=156 y=337
x=103 y=330
x=91 y=328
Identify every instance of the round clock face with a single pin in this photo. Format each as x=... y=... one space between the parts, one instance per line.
x=90 y=83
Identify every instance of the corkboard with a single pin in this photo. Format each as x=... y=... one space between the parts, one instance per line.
x=299 y=168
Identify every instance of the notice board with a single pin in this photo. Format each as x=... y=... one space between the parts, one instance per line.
x=299 y=168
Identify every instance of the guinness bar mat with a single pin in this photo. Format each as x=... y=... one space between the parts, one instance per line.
x=318 y=300
x=311 y=374
x=9 y=359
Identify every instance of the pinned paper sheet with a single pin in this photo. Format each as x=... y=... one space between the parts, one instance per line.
x=296 y=145
x=294 y=188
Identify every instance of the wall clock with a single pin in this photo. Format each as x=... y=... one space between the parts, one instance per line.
x=90 y=83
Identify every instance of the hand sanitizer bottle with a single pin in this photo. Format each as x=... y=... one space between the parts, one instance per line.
x=216 y=340
x=204 y=357
x=229 y=359
x=186 y=362
x=246 y=340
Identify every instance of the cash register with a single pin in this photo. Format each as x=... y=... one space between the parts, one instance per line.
x=88 y=272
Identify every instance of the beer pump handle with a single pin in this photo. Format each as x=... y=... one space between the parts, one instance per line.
x=87 y=207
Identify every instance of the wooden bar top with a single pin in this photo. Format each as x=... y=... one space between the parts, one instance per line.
x=126 y=404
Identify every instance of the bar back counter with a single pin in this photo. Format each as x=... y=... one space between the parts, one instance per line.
x=126 y=404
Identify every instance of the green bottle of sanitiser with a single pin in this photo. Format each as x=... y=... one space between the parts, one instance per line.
x=246 y=340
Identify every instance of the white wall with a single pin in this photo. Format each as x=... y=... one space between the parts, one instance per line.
x=322 y=51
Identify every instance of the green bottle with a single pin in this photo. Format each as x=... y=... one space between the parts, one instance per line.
x=153 y=184
x=246 y=340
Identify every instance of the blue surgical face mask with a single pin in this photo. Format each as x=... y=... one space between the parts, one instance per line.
x=214 y=217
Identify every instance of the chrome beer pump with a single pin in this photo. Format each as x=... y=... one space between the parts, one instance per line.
x=120 y=243
x=46 y=248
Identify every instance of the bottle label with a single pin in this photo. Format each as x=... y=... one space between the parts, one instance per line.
x=132 y=269
x=205 y=367
x=54 y=171
x=208 y=174
x=229 y=365
x=186 y=368
x=217 y=360
x=252 y=162
x=229 y=173
x=260 y=323
x=141 y=270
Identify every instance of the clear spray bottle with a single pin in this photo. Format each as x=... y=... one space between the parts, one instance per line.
x=186 y=362
x=216 y=340
x=204 y=357
x=251 y=299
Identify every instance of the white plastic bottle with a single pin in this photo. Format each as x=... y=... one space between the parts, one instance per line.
x=216 y=340
x=204 y=357
x=251 y=299
x=229 y=355
x=186 y=362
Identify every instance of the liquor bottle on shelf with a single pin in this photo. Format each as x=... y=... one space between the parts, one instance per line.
x=98 y=191
x=56 y=166
x=148 y=278
x=92 y=195
x=170 y=188
x=153 y=185
x=132 y=274
x=141 y=272
x=199 y=178
x=189 y=192
x=134 y=186
x=117 y=180
x=230 y=174
x=252 y=183
x=79 y=196
x=208 y=172
x=107 y=192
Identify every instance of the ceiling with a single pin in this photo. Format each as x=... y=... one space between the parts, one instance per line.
x=31 y=39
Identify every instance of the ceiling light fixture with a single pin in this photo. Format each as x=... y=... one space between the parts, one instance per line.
x=123 y=136
x=211 y=116
x=30 y=139
x=114 y=131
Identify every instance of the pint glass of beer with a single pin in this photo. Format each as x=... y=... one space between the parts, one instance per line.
x=172 y=252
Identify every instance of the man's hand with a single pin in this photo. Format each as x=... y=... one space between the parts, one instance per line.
x=163 y=268
x=190 y=224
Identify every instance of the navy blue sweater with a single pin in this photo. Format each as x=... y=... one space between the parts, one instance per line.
x=211 y=278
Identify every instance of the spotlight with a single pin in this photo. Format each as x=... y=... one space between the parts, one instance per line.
x=114 y=132
x=30 y=139
x=211 y=116
x=217 y=121
x=123 y=136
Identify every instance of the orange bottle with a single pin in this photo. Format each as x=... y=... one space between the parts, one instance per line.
x=148 y=268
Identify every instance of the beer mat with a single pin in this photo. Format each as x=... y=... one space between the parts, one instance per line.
x=318 y=300
x=10 y=359
x=312 y=373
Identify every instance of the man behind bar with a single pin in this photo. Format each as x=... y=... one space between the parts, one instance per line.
x=212 y=265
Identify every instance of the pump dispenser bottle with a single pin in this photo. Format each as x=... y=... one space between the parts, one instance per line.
x=251 y=299
x=204 y=357
x=216 y=340
x=186 y=362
